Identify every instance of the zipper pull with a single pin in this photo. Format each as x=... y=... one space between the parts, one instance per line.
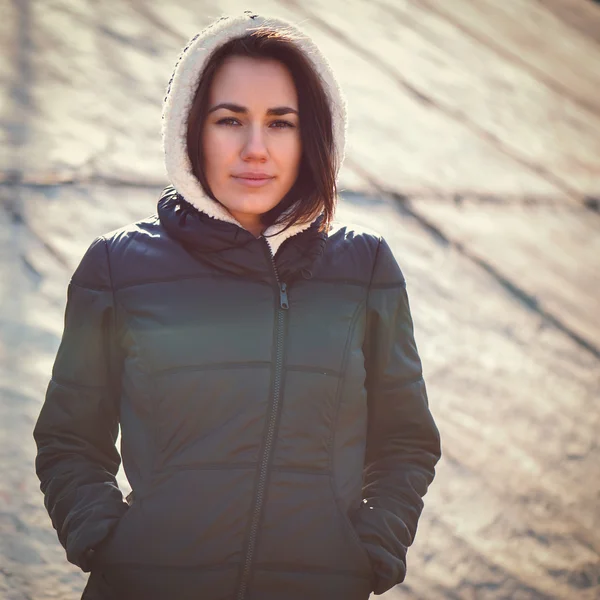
x=283 y=297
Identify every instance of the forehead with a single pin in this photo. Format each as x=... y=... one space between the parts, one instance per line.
x=252 y=80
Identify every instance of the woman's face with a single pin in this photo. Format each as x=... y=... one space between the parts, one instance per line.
x=251 y=138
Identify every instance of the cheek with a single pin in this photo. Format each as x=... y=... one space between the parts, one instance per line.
x=218 y=151
x=290 y=153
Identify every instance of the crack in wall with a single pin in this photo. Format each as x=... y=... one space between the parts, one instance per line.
x=449 y=111
x=554 y=85
x=18 y=219
x=441 y=237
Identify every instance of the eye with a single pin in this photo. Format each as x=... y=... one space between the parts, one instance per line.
x=228 y=121
x=282 y=124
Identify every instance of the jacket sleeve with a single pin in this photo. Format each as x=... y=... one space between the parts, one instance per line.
x=403 y=442
x=77 y=428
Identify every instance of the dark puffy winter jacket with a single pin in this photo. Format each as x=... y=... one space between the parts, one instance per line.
x=275 y=424
x=274 y=420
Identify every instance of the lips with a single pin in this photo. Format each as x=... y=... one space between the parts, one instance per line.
x=250 y=175
x=253 y=179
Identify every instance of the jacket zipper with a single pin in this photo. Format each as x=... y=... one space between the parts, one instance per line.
x=260 y=491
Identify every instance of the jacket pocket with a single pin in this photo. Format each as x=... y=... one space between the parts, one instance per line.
x=104 y=550
x=349 y=526
x=301 y=507
x=97 y=588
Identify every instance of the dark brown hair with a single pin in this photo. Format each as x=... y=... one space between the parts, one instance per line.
x=314 y=190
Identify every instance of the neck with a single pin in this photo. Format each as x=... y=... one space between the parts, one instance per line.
x=251 y=223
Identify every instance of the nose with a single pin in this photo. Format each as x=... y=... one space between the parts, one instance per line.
x=255 y=144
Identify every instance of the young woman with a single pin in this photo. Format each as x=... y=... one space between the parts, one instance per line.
x=259 y=361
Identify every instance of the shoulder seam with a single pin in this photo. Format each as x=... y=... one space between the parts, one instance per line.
x=112 y=287
x=73 y=385
x=89 y=286
x=375 y=262
x=389 y=286
x=110 y=277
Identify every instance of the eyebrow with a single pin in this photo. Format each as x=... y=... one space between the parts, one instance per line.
x=236 y=108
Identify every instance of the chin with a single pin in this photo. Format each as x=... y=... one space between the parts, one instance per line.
x=251 y=203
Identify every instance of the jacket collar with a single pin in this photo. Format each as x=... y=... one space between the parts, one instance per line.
x=231 y=249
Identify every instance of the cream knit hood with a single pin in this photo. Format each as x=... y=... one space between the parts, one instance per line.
x=180 y=95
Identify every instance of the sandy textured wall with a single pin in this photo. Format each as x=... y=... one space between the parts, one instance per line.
x=474 y=147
